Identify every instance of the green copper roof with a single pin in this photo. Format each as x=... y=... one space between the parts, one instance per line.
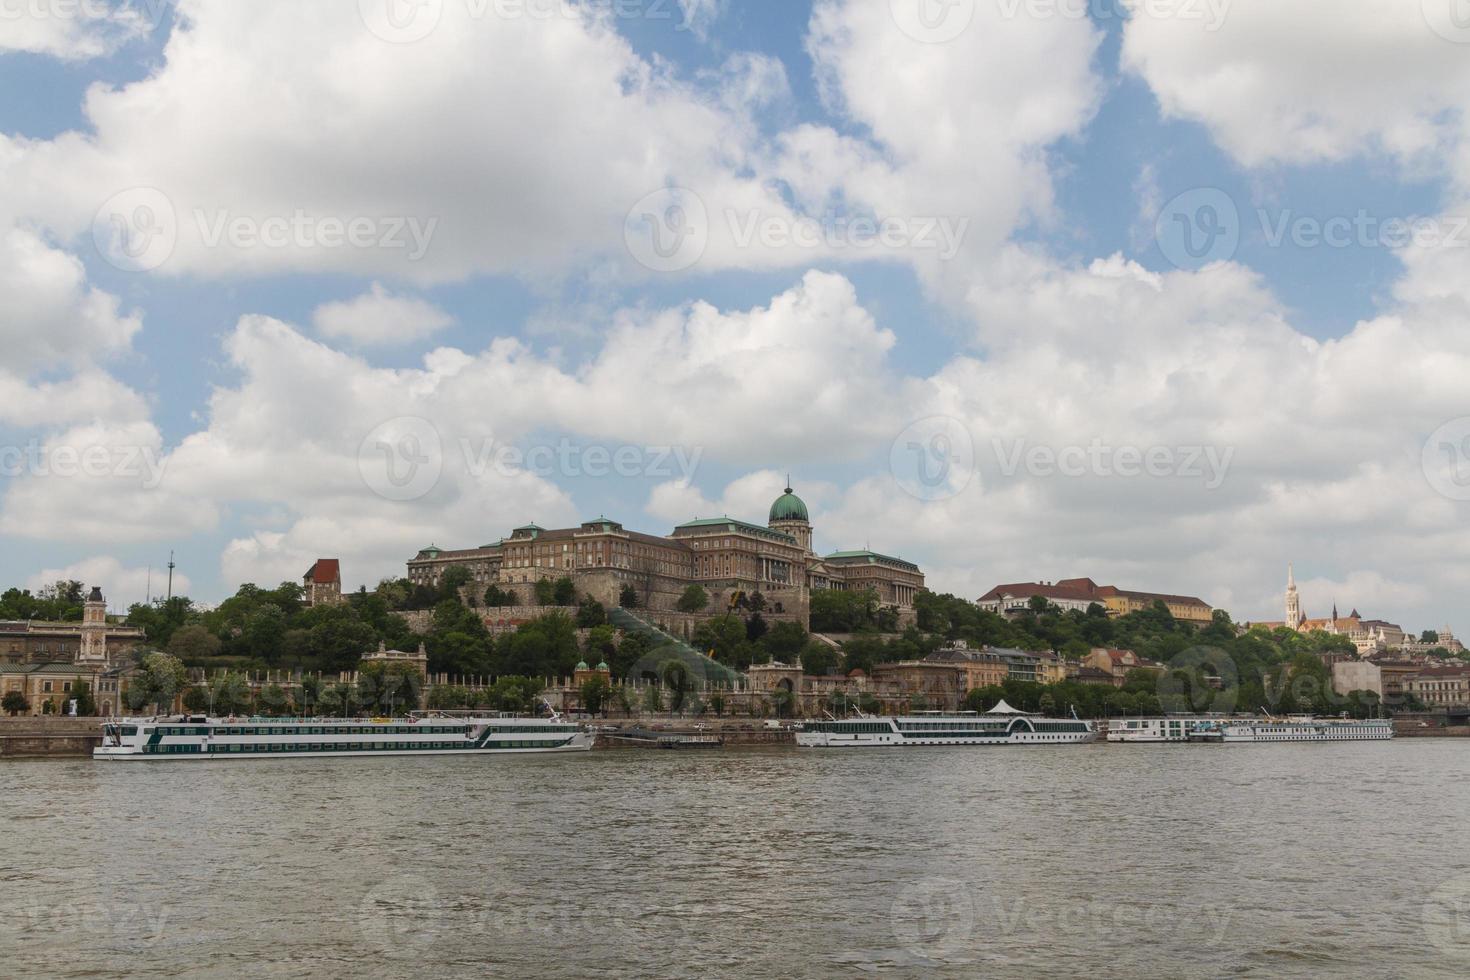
x=789 y=507
x=871 y=557
x=734 y=525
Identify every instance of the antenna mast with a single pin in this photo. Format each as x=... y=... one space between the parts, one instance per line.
x=170 y=574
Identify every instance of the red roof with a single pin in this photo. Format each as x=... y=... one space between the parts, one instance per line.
x=324 y=572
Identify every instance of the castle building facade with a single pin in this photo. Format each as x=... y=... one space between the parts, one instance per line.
x=44 y=662
x=727 y=556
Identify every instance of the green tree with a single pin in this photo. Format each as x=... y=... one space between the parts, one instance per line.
x=674 y=674
x=263 y=631
x=717 y=703
x=229 y=693
x=694 y=599
x=15 y=703
x=818 y=659
x=196 y=699
x=192 y=643
x=594 y=692
x=784 y=702
x=390 y=689
x=628 y=597
x=273 y=701
x=722 y=636
x=160 y=677
x=455 y=577
x=496 y=597
x=653 y=699
x=545 y=591
x=785 y=641
x=590 y=613
x=310 y=694
x=564 y=591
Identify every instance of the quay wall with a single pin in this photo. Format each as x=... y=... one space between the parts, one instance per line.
x=42 y=738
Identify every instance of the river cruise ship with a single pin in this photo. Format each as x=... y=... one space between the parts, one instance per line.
x=1151 y=729
x=1304 y=729
x=199 y=737
x=1005 y=727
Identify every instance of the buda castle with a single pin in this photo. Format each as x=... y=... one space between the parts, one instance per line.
x=727 y=556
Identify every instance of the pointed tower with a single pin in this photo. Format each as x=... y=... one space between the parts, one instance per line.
x=93 y=648
x=1294 y=615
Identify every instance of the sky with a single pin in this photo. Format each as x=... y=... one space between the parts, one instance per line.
x=1167 y=293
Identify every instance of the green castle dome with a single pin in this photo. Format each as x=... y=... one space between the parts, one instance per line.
x=788 y=507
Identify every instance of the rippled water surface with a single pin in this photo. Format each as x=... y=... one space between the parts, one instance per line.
x=1118 y=861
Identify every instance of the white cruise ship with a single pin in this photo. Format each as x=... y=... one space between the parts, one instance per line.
x=1002 y=725
x=1151 y=729
x=1306 y=729
x=198 y=737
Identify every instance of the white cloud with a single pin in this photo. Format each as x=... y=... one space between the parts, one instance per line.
x=51 y=316
x=380 y=318
x=75 y=30
x=273 y=128
x=121 y=585
x=1311 y=80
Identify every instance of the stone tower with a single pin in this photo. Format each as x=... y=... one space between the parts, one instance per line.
x=1294 y=615
x=789 y=514
x=93 y=648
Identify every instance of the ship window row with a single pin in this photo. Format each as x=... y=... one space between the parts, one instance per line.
x=313 y=730
x=268 y=748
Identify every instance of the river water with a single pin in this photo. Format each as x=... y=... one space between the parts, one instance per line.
x=1118 y=861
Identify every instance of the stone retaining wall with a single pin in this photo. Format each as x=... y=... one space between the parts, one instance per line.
x=29 y=738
